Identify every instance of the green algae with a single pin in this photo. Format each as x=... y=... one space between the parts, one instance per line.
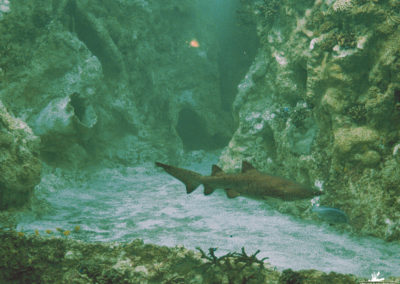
x=58 y=260
x=337 y=58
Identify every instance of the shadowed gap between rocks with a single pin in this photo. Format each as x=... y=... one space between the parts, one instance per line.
x=193 y=132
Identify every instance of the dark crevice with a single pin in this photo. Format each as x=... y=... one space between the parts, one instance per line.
x=300 y=74
x=79 y=106
x=397 y=99
x=238 y=44
x=97 y=40
x=123 y=126
x=192 y=130
x=396 y=96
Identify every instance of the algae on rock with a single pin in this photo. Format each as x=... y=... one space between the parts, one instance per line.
x=128 y=63
x=325 y=109
x=20 y=166
x=40 y=259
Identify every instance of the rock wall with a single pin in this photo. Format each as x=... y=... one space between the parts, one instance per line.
x=115 y=80
x=20 y=166
x=44 y=259
x=320 y=105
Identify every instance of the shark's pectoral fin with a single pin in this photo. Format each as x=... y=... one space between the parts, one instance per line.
x=208 y=189
x=231 y=193
x=190 y=187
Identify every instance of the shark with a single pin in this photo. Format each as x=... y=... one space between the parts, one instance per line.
x=249 y=182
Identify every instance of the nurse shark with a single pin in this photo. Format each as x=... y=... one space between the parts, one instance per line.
x=249 y=182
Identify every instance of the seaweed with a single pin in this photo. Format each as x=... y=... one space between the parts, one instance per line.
x=358 y=113
x=233 y=266
x=289 y=276
x=238 y=257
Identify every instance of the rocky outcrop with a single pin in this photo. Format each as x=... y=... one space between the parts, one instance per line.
x=19 y=164
x=41 y=259
x=129 y=85
x=320 y=105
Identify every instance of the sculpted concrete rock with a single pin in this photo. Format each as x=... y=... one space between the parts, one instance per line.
x=134 y=68
x=65 y=121
x=326 y=111
x=19 y=164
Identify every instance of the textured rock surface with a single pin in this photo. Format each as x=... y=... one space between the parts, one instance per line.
x=19 y=164
x=320 y=105
x=127 y=63
x=41 y=259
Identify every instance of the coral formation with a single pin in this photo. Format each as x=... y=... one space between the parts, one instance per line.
x=39 y=259
x=20 y=166
x=340 y=59
x=133 y=68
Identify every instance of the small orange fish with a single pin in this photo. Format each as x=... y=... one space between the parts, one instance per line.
x=77 y=228
x=20 y=234
x=37 y=232
x=66 y=233
x=49 y=231
x=194 y=43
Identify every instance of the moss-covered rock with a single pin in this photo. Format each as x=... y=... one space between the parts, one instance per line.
x=129 y=62
x=20 y=166
x=61 y=260
x=329 y=100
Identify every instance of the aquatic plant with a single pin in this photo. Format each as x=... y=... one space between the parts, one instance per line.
x=232 y=267
x=289 y=276
x=357 y=113
x=346 y=40
x=299 y=115
x=267 y=9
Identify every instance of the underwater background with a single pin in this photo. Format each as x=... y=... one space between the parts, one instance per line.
x=92 y=93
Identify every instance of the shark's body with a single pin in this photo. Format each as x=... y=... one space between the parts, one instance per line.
x=250 y=182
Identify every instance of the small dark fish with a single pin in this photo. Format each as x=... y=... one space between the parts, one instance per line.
x=330 y=215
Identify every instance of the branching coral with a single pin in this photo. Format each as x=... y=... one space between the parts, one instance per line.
x=237 y=265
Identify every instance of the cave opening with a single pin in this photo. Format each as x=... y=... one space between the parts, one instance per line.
x=193 y=132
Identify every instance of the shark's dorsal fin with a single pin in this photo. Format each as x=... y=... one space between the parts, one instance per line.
x=246 y=166
x=231 y=193
x=215 y=170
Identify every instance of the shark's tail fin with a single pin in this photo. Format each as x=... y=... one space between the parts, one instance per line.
x=189 y=178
